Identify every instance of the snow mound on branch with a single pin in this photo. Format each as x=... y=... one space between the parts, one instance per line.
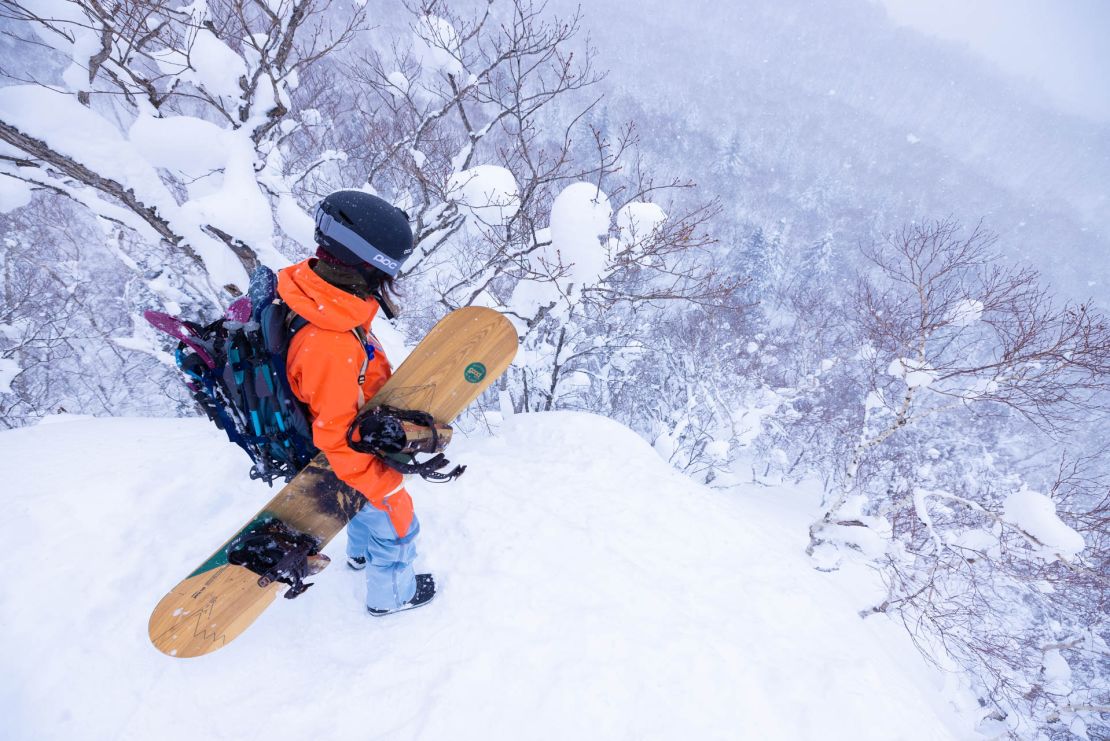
x=86 y=45
x=1036 y=514
x=13 y=194
x=9 y=369
x=488 y=192
x=208 y=63
x=190 y=146
x=529 y=295
x=1057 y=673
x=399 y=82
x=436 y=44
x=718 y=450
x=914 y=373
x=577 y=570
x=638 y=221
x=967 y=312
x=75 y=131
x=294 y=222
x=237 y=205
x=580 y=220
x=80 y=133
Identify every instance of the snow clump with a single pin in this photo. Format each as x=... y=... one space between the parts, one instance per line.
x=13 y=194
x=637 y=221
x=487 y=192
x=1036 y=514
x=436 y=45
x=580 y=219
x=916 y=374
x=189 y=146
x=966 y=312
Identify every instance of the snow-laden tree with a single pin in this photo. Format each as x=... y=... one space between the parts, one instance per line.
x=946 y=329
x=481 y=127
x=198 y=137
x=166 y=121
x=65 y=323
x=933 y=398
x=147 y=137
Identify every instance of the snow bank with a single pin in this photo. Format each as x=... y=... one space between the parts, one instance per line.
x=588 y=591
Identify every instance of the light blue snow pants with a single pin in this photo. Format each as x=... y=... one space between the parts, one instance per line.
x=390 y=581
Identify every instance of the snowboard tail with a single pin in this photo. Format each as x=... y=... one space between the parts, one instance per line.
x=459 y=359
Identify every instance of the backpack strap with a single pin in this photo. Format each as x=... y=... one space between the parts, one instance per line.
x=294 y=322
x=360 y=334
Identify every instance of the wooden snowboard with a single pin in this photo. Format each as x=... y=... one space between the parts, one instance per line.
x=459 y=359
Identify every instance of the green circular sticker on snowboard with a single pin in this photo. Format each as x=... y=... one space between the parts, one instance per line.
x=474 y=372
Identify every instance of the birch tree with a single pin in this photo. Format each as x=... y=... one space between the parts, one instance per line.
x=946 y=328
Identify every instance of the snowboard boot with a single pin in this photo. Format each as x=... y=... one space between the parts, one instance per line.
x=425 y=590
x=356 y=563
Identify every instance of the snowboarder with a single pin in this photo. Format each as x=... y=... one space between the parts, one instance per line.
x=335 y=363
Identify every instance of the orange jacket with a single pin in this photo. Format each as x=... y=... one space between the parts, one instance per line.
x=323 y=364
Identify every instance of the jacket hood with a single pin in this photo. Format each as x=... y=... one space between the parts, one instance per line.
x=321 y=303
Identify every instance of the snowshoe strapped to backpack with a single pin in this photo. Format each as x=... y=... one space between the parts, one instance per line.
x=235 y=368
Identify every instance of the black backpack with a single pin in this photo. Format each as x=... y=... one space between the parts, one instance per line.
x=235 y=369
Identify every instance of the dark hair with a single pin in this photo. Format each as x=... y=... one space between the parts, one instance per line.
x=377 y=281
x=386 y=285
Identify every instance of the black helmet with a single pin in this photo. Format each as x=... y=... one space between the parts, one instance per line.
x=358 y=228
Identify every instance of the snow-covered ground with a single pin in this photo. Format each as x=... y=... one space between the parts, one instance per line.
x=587 y=592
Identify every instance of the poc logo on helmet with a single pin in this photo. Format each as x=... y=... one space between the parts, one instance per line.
x=382 y=259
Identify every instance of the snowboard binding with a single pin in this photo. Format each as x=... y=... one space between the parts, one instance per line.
x=396 y=436
x=277 y=552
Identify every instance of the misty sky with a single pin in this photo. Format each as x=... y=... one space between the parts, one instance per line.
x=1062 y=44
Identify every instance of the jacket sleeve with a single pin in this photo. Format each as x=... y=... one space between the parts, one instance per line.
x=323 y=372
